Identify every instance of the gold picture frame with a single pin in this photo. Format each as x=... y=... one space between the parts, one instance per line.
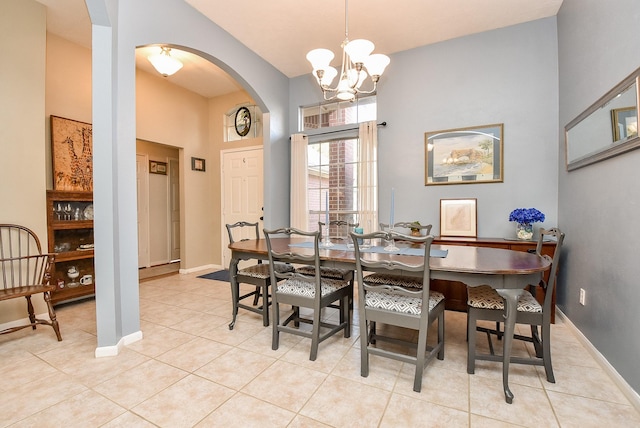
x=464 y=155
x=459 y=217
x=71 y=154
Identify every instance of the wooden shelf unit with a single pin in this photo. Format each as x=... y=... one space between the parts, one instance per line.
x=456 y=292
x=74 y=233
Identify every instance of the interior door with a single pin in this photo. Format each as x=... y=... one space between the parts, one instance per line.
x=174 y=208
x=142 y=184
x=242 y=184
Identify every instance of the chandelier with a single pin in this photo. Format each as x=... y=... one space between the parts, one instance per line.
x=356 y=62
x=164 y=63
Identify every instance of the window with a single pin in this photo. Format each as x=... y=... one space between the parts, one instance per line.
x=334 y=162
x=337 y=113
x=253 y=122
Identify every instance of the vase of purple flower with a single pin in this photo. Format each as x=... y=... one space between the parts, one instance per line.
x=525 y=217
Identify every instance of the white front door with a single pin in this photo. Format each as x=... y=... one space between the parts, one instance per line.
x=242 y=188
x=142 y=183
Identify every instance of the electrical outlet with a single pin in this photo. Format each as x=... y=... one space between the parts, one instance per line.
x=582 y=296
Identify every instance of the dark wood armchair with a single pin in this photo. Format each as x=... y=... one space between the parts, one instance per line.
x=25 y=271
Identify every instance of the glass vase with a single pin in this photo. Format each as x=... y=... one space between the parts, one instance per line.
x=524 y=231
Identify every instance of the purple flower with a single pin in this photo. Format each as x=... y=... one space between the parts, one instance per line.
x=526 y=215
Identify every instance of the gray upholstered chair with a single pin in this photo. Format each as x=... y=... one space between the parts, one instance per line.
x=399 y=304
x=330 y=272
x=314 y=292
x=484 y=303
x=257 y=275
x=382 y=277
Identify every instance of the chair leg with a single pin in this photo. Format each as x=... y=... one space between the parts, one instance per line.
x=32 y=315
x=265 y=304
x=471 y=343
x=498 y=331
x=420 y=358
x=546 y=352
x=364 y=346
x=537 y=343
x=52 y=316
x=441 y=335
x=344 y=309
x=275 y=338
x=315 y=335
x=256 y=296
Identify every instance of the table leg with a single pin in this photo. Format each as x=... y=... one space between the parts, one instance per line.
x=235 y=289
x=511 y=307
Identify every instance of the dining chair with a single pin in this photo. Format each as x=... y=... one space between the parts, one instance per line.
x=484 y=303
x=404 y=280
x=299 y=290
x=331 y=272
x=398 y=304
x=257 y=274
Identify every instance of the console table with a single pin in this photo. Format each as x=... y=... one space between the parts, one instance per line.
x=456 y=292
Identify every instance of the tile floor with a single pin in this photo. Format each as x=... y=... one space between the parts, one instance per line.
x=191 y=370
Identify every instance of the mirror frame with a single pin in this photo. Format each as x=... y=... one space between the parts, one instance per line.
x=609 y=150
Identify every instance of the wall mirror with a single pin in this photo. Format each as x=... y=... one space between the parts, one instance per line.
x=606 y=129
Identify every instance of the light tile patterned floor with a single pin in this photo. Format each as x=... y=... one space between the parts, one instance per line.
x=191 y=370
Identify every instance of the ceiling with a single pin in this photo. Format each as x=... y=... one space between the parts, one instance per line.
x=283 y=31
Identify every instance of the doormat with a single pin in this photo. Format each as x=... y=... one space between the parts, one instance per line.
x=221 y=275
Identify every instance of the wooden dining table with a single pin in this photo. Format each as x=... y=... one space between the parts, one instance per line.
x=507 y=271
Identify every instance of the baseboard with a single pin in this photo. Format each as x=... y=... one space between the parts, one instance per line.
x=625 y=388
x=199 y=268
x=112 y=351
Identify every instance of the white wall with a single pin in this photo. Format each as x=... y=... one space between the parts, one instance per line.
x=598 y=204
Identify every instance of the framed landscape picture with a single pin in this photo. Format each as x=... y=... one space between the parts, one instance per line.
x=465 y=155
x=71 y=154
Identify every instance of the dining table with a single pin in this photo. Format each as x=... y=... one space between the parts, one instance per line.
x=507 y=271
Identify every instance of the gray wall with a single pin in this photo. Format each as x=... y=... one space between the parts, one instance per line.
x=598 y=205
x=504 y=76
x=118 y=28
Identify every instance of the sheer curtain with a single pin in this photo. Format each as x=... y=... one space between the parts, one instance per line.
x=299 y=215
x=368 y=177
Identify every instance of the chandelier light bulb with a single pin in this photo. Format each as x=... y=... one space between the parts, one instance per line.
x=358 y=50
x=376 y=63
x=320 y=58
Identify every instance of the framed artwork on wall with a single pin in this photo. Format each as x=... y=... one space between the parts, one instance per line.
x=71 y=154
x=156 y=167
x=197 y=164
x=464 y=155
x=459 y=217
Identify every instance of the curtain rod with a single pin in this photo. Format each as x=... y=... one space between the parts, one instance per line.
x=344 y=129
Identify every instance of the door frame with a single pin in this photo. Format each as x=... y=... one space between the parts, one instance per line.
x=143 y=198
x=223 y=227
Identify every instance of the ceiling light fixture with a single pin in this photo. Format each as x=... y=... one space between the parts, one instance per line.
x=355 y=59
x=164 y=62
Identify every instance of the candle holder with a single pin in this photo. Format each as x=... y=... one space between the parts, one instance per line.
x=326 y=241
x=391 y=245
